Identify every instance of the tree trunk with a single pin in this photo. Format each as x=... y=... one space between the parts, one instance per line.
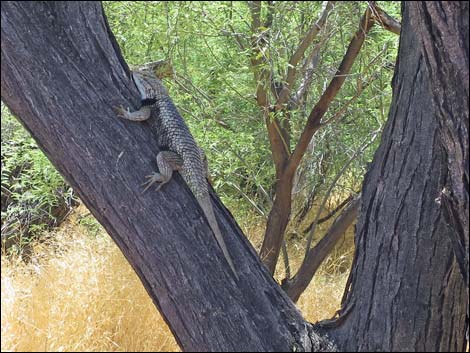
x=407 y=293
x=448 y=70
x=61 y=75
x=278 y=220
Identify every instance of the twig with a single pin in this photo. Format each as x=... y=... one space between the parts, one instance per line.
x=384 y=19
x=333 y=184
x=331 y=214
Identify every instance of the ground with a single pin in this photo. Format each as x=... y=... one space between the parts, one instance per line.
x=78 y=293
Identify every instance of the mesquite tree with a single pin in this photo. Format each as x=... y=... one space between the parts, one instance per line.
x=62 y=73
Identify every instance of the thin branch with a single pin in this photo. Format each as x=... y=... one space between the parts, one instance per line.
x=361 y=88
x=384 y=19
x=178 y=80
x=285 y=257
x=285 y=254
x=253 y=176
x=315 y=257
x=226 y=82
x=300 y=51
x=330 y=189
x=239 y=38
x=331 y=214
x=307 y=70
x=190 y=82
x=253 y=203
x=259 y=43
x=314 y=119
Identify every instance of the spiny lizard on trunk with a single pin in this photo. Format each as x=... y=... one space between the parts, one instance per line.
x=180 y=151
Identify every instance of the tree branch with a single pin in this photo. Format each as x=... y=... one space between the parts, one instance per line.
x=296 y=286
x=331 y=214
x=330 y=189
x=307 y=73
x=278 y=138
x=384 y=19
x=299 y=53
x=314 y=119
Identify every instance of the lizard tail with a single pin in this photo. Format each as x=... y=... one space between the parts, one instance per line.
x=206 y=206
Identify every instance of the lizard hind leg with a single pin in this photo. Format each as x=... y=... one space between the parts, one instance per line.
x=167 y=162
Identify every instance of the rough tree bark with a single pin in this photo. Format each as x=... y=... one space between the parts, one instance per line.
x=445 y=49
x=61 y=75
x=406 y=292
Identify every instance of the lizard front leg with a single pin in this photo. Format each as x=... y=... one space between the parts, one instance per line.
x=167 y=162
x=139 y=115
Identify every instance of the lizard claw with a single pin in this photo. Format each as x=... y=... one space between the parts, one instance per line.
x=147 y=184
x=121 y=111
x=152 y=179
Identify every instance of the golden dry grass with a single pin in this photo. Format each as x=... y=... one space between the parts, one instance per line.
x=84 y=297
x=78 y=293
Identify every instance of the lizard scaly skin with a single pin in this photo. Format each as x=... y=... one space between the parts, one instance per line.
x=180 y=151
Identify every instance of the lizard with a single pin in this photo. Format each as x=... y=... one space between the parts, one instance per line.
x=180 y=151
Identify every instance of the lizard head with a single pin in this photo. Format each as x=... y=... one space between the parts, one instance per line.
x=161 y=68
x=147 y=79
x=150 y=87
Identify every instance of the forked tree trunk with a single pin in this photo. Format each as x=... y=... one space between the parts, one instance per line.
x=407 y=293
x=62 y=74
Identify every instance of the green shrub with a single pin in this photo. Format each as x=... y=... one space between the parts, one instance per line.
x=34 y=195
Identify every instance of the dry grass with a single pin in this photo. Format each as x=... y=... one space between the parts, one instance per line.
x=78 y=293
x=84 y=297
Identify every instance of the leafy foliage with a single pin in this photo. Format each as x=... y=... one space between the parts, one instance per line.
x=34 y=195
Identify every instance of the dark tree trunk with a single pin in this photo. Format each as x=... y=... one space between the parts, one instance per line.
x=444 y=33
x=61 y=75
x=407 y=293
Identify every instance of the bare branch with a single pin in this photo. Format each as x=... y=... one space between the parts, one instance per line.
x=239 y=38
x=331 y=214
x=307 y=70
x=384 y=19
x=285 y=256
x=300 y=51
x=278 y=136
x=362 y=85
x=258 y=209
x=333 y=184
x=314 y=119
x=318 y=254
